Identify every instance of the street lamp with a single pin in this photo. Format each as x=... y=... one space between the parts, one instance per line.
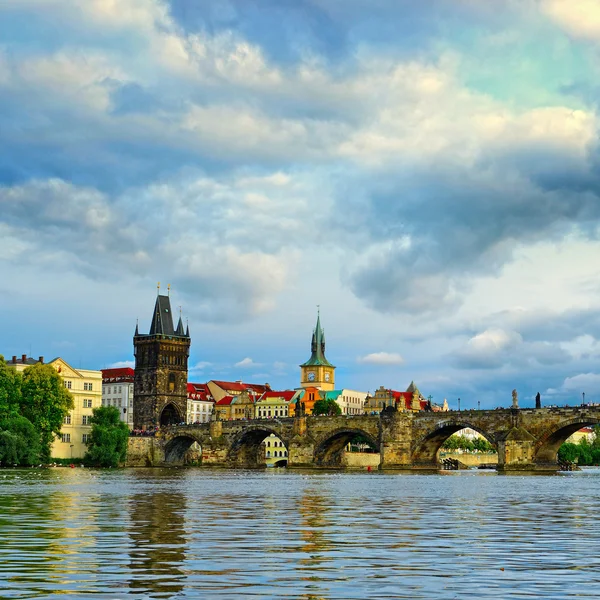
x=478 y=404
x=459 y=404
x=583 y=398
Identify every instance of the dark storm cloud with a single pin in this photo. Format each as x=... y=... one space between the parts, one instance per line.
x=443 y=226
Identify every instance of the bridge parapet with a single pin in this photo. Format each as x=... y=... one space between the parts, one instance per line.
x=525 y=438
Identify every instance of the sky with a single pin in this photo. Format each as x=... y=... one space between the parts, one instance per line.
x=428 y=173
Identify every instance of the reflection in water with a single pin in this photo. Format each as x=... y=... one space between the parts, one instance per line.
x=158 y=539
x=312 y=535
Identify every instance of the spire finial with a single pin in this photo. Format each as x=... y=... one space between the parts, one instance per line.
x=180 y=311
x=168 y=289
x=158 y=288
x=318 y=310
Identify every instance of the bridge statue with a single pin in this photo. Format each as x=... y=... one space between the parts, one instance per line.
x=515 y=398
x=538 y=401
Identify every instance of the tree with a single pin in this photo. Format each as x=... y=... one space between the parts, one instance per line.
x=326 y=407
x=19 y=442
x=568 y=453
x=10 y=390
x=107 y=444
x=45 y=402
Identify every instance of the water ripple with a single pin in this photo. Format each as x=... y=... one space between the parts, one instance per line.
x=310 y=535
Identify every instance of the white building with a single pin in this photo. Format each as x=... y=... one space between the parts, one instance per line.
x=117 y=391
x=200 y=403
x=351 y=402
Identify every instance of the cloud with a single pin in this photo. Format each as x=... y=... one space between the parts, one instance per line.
x=199 y=366
x=381 y=358
x=497 y=348
x=579 y=18
x=246 y=363
x=122 y=364
x=573 y=387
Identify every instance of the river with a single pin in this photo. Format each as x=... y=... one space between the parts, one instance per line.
x=202 y=533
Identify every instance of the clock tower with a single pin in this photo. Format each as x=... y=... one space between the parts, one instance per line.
x=317 y=371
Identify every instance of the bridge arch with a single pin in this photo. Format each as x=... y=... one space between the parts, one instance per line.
x=247 y=450
x=425 y=450
x=547 y=445
x=329 y=451
x=177 y=445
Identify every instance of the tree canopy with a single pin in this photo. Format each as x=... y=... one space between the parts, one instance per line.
x=326 y=407
x=10 y=390
x=45 y=402
x=107 y=444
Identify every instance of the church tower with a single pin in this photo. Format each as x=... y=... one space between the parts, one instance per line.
x=161 y=365
x=317 y=371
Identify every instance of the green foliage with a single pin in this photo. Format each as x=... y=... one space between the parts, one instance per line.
x=326 y=407
x=10 y=390
x=19 y=442
x=45 y=402
x=107 y=444
x=585 y=453
x=568 y=453
x=459 y=442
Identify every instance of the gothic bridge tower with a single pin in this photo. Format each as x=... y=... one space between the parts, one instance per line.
x=161 y=369
x=317 y=371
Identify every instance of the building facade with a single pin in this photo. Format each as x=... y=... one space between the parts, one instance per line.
x=200 y=403
x=161 y=369
x=117 y=391
x=86 y=388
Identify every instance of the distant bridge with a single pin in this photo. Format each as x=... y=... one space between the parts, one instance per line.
x=526 y=439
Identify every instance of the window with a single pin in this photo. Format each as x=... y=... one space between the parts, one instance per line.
x=67 y=384
x=87 y=403
x=65 y=437
x=85 y=438
x=67 y=420
x=87 y=387
x=171 y=382
x=85 y=420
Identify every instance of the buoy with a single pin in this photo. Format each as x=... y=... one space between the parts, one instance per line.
x=72 y=466
x=369 y=468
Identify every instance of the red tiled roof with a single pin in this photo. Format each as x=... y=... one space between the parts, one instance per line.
x=199 y=391
x=238 y=386
x=226 y=401
x=120 y=374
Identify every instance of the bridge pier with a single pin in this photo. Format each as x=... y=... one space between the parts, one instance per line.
x=516 y=451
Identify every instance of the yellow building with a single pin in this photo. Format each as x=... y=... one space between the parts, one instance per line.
x=86 y=388
x=317 y=371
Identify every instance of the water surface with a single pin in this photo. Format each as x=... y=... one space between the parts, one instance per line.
x=201 y=533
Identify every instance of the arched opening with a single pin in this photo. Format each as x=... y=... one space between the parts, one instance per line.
x=427 y=451
x=183 y=450
x=334 y=452
x=254 y=449
x=549 y=444
x=170 y=415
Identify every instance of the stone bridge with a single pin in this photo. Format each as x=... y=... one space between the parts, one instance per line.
x=526 y=439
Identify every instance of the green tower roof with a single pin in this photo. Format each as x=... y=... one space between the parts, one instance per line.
x=317 y=347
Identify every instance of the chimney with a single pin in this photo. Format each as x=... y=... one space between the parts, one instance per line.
x=14 y=360
x=24 y=358
x=41 y=359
